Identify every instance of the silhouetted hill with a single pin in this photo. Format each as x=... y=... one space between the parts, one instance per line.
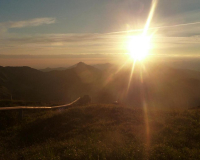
x=152 y=84
x=156 y=85
x=78 y=80
x=53 y=69
x=25 y=83
x=103 y=66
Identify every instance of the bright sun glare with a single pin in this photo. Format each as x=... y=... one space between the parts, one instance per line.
x=138 y=47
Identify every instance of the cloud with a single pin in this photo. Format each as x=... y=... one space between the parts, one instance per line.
x=96 y=43
x=63 y=44
x=4 y=26
x=65 y=40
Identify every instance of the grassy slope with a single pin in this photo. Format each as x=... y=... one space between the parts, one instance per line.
x=103 y=132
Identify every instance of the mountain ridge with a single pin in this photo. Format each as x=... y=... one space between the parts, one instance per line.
x=158 y=84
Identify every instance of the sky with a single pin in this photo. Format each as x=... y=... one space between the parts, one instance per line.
x=54 y=33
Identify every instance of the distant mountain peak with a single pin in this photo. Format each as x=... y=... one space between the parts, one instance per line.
x=81 y=64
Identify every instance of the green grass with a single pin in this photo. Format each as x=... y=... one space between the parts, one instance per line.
x=103 y=132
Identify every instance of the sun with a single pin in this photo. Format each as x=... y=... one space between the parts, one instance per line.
x=138 y=47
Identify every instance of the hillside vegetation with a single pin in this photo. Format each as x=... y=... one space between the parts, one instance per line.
x=103 y=132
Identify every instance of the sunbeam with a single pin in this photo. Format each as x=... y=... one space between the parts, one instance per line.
x=131 y=75
x=109 y=79
x=153 y=7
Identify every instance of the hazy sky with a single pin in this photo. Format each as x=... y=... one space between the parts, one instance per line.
x=41 y=33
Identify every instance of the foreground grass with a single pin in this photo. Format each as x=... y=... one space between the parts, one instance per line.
x=103 y=132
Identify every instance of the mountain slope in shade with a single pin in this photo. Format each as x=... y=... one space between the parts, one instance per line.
x=103 y=66
x=25 y=83
x=155 y=85
x=53 y=69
